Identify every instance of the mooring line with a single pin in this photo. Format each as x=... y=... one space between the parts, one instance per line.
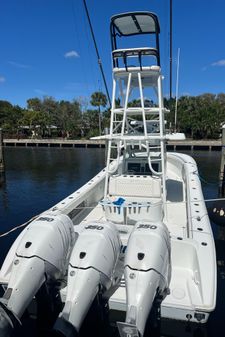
x=92 y=207
x=17 y=227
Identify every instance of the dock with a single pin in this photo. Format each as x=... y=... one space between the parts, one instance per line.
x=53 y=143
x=208 y=145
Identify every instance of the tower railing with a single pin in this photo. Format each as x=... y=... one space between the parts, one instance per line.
x=122 y=131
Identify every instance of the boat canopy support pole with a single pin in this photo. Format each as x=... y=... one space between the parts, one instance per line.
x=142 y=103
x=110 y=141
x=126 y=103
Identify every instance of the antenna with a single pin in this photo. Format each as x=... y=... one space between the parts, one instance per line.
x=177 y=86
x=171 y=45
x=96 y=49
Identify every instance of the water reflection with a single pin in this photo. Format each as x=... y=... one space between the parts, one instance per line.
x=3 y=189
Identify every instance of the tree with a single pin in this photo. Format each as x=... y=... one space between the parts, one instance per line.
x=5 y=109
x=50 y=107
x=90 y=125
x=9 y=117
x=99 y=99
x=199 y=117
x=69 y=116
x=34 y=104
x=48 y=111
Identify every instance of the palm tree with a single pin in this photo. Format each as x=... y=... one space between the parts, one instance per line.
x=99 y=99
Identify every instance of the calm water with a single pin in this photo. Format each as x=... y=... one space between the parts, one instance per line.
x=37 y=178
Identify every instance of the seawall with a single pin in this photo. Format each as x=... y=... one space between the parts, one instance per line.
x=214 y=145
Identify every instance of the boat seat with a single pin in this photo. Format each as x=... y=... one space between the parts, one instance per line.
x=138 y=53
x=129 y=52
x=150 y=70
x=135 y=186
x=149 y=75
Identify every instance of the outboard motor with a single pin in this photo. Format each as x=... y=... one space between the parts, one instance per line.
x=91 y=269
x=147 y=274
x=41 y=252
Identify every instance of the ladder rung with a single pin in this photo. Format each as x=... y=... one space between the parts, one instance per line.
x=155 y=160
x=138 y=110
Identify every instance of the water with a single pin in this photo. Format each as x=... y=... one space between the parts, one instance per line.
x=37 y=178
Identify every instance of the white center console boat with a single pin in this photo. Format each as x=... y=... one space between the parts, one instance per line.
x=138 y=233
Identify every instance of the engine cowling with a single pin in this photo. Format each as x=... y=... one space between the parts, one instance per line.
x=91 y=268
x=43 y=250
x=147 y=270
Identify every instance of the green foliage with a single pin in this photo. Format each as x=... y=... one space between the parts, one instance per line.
x=37 y=121
x=34 y=104
x=68 y=118
x=99 y=99
x=9 y=116
x=199 y=117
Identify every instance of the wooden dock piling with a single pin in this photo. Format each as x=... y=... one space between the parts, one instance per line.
x=2 y=165
x=222 y=167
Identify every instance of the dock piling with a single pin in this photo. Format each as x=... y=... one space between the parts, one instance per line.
x=2 y=165
x=222 y=167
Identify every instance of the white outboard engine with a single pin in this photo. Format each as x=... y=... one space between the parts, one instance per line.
x=91 y=269
x=41 y=251
x=147 y=274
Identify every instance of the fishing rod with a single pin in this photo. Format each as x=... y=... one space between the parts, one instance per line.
x=97 y=52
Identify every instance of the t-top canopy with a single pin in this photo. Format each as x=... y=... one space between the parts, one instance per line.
x=135 y=23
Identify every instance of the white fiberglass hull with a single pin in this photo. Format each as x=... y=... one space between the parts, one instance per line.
x=192 y=295
x=192 y=287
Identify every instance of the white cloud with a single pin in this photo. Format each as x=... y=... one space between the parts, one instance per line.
x=220 y=63
x=71 y=54
x=2 y=79
x=19 y=65
x=40 y=92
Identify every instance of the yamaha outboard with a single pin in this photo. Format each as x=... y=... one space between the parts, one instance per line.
x=41 y=252
x=91 y=270
x=147 y=274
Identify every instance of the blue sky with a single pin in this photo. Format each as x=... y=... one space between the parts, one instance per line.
x=47 y=50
